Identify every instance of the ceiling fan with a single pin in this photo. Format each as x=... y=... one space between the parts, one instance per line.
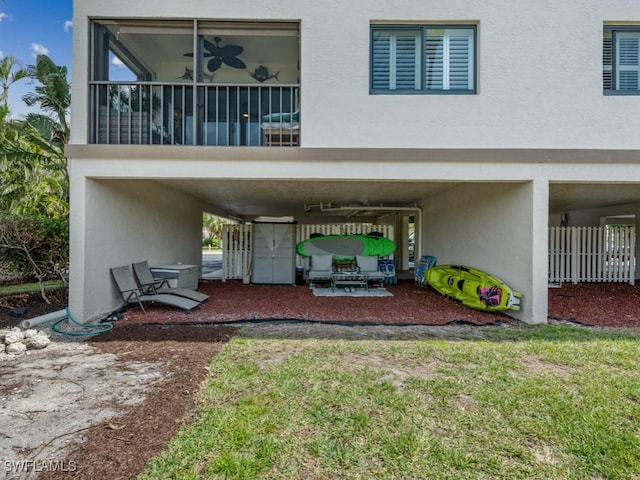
x=227 y=54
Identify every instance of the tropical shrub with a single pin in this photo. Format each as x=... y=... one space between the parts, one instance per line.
x=36 y=247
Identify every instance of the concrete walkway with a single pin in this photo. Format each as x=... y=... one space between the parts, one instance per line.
x=212 y=264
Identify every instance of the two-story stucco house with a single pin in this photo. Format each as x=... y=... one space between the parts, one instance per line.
x=485 y=122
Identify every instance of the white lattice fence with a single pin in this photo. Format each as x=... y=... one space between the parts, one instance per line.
x=592 y=254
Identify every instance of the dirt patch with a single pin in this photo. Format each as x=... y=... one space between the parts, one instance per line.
x=534 y=366
x=51 y=396
x=102 y=408
x=33 y=304
x=323 y=330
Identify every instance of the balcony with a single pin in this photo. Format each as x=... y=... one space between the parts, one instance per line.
x=194 y=82
x=225 y=115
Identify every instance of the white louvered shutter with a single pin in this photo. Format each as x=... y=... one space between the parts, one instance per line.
x=627 y=61
x=607 y=61
x=381 y=66
x=434 y=64
x=449 y=63
x=396 y=63
x=407 y=62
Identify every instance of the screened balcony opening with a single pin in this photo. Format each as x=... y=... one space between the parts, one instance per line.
x=195 y=83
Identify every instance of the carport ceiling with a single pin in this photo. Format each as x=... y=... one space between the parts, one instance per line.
x=249 y=198
x=567 y=197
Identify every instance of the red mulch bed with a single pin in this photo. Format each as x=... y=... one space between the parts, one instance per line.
x=611 y=305
x=596 y=304
x=233 y=301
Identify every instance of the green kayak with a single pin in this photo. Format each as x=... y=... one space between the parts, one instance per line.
x=346 y=246
x=473 y=288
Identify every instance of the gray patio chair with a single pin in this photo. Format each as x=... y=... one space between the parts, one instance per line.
x=368 y=265
x=151 y=285
x=321 y=268
x=133 y=294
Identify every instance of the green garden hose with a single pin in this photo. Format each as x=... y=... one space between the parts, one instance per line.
x=94 y=329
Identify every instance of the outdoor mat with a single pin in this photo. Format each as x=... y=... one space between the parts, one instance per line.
x=357 y=292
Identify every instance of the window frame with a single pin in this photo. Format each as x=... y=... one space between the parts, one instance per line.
x=615 y=29
x=423 y=28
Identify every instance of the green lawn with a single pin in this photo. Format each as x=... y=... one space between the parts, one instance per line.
x=529 y=402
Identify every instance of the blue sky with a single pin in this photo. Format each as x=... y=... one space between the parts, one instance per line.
x=29 y=27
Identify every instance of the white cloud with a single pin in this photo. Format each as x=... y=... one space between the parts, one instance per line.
x=3 y=16
x=39 y=49
x=1 y=54
x=116 y=62
x=67 y=25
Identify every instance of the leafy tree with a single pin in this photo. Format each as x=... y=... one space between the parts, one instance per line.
x=34 y=186
x=213 y=225
x=10 y=73
x=35 y=179
x=52 y=95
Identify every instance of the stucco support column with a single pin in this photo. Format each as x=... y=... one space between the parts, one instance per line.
x=540 y=254
x=77 y=245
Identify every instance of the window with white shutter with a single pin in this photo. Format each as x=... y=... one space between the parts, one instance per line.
x=449 y=59
x=396 y=60
x=621 y=60
x=425 y=59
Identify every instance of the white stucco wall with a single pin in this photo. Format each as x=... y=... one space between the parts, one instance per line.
x=490 y=226
x=125 y=222
x=539 y=72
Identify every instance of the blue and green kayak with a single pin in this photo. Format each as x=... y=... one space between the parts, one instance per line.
x=345 y=247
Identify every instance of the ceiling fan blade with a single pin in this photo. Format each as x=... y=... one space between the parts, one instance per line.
x=214 y=49
x=231 y=50
x=214 y=64
x=234 y=62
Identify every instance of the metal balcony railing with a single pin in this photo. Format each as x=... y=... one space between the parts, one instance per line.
x=194 y=114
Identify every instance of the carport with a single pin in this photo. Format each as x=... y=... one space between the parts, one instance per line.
x=159 y=220
x=490 y=209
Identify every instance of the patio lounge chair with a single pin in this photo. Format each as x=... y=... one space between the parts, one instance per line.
x=132 y=293
x=151 y=285
x=321 y=268
x=368 y=265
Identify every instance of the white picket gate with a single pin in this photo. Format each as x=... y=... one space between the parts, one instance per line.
x=592 y=254
x=236 y=243
x=236 y=251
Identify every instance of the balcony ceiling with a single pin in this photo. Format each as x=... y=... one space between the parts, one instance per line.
x=156 y=50
x=250 y=198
